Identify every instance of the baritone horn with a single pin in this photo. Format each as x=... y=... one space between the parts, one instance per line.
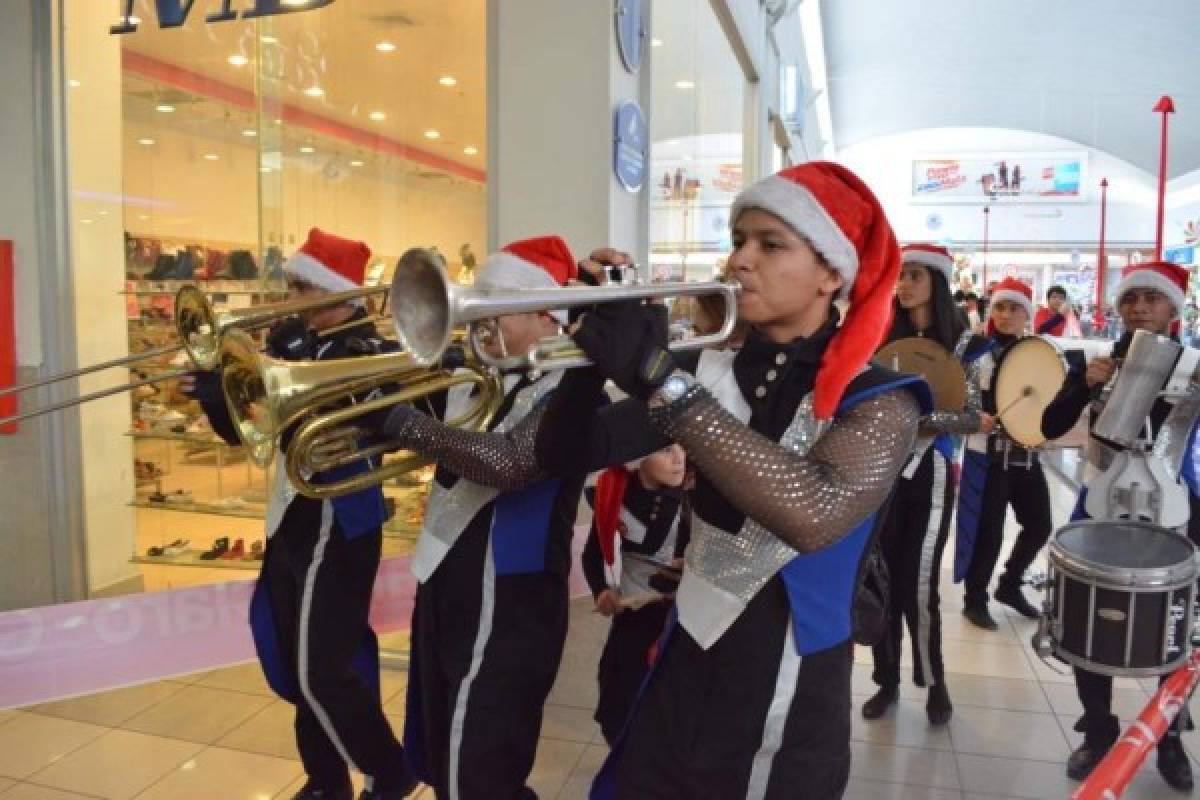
x=427 y=307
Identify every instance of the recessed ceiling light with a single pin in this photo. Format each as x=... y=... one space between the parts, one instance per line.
x=249 y=133
x=164 y=108
x=143 y=217
x=307 y=150
x=378 y=116
x=356 y=163
x=448 y=80
x=685 y=85
x=86 y=221
x=315 y=91
x=264 y=169
x=102 y=213
x=211 y=157
x=238 y=60
x=432 y=134
x=385 y=47
x=470 y=150
x=278 y=122
x=74 y=84
x=656 y=42
x=268 y=40
x=146 y=141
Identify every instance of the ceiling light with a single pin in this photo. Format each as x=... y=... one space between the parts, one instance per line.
x=268 y=40
x=146 y=141
x=74 y=84
x=307 y=150
x=86 y=221
x=164 y=108
x=143 y=217
x=685 y=85
x=471 y=150
x=102 y=213
x=249 y=133
x=211 y=157
x=315 y=91
x=432 y=134
x=356 y=163
x=448 y=80
x=264 y=170
x=656 y=42
x=378 y=116
x=238 y=60
x=386 y=47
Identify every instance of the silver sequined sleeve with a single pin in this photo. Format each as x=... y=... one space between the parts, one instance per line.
x=965 y=421
x=504 y=461
x=808 y=501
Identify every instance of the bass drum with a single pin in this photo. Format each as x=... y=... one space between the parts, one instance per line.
x=943 y=372
x=1028 y=379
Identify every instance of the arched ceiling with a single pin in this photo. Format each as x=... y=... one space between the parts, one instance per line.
x=1085 y=70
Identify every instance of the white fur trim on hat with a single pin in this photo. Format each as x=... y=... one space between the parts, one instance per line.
x=935 y=261
x=303 y=266
x=1013 y=296
x=1149 y=279
x=796 y=205
x=503 y=270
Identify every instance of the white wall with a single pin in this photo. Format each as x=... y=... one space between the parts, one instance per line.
x=885 y=165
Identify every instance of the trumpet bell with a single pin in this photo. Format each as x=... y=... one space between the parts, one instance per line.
x=422 y=305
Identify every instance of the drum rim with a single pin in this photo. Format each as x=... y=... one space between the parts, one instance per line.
x=1173 y=576
x=1121 y=672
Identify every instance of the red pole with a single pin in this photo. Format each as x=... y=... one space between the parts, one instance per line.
x=1164 y=106
x=1100 y=258
x=987 y=212
x=8 y=332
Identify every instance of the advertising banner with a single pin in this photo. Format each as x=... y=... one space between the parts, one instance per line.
x=1000 y=177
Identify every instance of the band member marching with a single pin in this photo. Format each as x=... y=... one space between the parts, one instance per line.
x=646 y=511
x=917 y=523
x=796 y=443
x=309 y=613
x=1150 y=297
x=492 y=562
x=997 y=472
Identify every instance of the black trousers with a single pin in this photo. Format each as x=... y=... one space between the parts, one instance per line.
x=624 y=664
x=485 y=652
x=913 y=539
x=319 y=584
x=1025 y=490
x=704 y=729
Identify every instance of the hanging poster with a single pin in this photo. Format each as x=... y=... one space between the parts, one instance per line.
x=1012 y=177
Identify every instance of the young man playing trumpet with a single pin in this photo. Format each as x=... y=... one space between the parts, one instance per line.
x=310 y=608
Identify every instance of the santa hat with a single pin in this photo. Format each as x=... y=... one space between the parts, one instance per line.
x=933 y=256
x=1170 y=279
x=329 y=262
x=610 y=496
x=543 y=262
x=840 y=217
x=1014 y=291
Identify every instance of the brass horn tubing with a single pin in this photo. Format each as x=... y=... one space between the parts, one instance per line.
x=308 y=431
x=133 y=358
x=87 y=398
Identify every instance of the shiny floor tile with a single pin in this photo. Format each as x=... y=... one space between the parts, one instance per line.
x=906 y=765
x=1008 y=734
x=221 y=773
x=198 y=714
x=110 y=708
x=862 y=789
x=241 y=678
x=117 y=765
x=270 y=732
x=569 y=723
x=30 y=791
x=556 y=760
x=32 y=742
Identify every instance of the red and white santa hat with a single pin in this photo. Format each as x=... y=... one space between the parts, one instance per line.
x=933 y=256
x=543 y=262
x=840 y=217
x=329 y=262
x=1014 y=291
x=1170 y=279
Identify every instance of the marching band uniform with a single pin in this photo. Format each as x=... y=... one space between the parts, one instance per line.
x=796 y=446
x=309 y=612
x=997 y=473
x=1098 y=724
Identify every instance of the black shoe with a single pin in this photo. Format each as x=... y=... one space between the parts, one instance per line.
x=1173 y=764
x=880 y=702
x=1085 y=758
x=938 y=707
x=1014 y=598
x=980 y=617
x=312 y=792
x=398 y=793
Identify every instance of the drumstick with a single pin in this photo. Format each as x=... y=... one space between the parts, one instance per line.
x=1025 y=392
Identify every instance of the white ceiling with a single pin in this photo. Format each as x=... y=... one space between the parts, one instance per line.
x=1085 y=70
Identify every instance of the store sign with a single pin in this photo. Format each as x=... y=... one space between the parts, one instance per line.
x=631 y=32
x=630 y=146
x=1181 y=255
x=174 y=13
x=1014 y=177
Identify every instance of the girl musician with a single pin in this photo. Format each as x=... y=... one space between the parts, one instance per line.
x=918 y=520
x=997 y=473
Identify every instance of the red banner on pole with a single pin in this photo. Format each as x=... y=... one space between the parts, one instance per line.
x=8 y=333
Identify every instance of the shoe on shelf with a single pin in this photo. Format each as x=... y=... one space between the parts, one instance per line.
x=312 y=792
x=980 y=617
x=219 y=548
x=1085 y=758
x=256 y=551
x=1010 y=594
x=237 y=551
x=176 y=547
x=157 y=497
x=155 y=552
x=1173 y=764
x=880 y=702
x=938 y=707
x=180 y=497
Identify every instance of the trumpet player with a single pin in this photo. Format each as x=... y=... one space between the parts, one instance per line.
x=309 y=613
x=492 y=561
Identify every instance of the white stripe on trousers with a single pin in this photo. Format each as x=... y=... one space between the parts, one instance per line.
x=487 y=608
x=777 y=712
x=925 y=573
x=310 y=583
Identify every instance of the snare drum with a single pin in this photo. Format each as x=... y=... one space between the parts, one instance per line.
x=1121 y=598
x=1027 y=380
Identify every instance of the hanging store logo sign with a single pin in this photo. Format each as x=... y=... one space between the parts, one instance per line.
x=174 y=13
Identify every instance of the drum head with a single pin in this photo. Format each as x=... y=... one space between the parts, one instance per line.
x=1128 y=553
x=938 y=366
x=1028 y=379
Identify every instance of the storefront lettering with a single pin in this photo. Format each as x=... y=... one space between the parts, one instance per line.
x=174 y=13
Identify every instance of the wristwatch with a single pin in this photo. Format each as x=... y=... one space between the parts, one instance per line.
x=674 y=387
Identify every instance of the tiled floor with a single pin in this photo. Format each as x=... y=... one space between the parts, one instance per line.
x=222 y=736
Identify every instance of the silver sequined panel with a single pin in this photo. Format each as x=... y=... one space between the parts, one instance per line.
x=967 y=420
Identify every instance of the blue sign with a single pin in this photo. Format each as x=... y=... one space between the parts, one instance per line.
x=631 y=32
x=630 y=146
x=1181 y=255
x=174 y=13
